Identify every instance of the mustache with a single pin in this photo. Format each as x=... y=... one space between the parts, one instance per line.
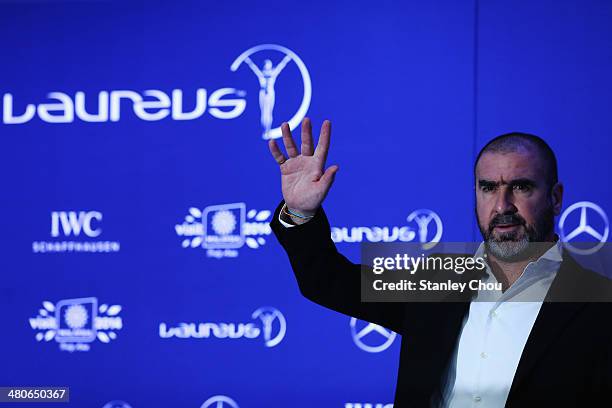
x=503 y=219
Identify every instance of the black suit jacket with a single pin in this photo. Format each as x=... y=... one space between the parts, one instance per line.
x=566 y=362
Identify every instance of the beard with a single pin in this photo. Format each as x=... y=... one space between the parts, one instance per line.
x=522 y=243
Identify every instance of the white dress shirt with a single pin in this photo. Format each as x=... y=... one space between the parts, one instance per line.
x=494 y=334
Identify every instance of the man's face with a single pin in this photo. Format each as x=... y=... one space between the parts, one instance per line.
x=514 y=204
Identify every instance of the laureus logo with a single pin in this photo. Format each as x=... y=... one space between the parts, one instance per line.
x=266 y=61
x=268 y=323
x=424 y=226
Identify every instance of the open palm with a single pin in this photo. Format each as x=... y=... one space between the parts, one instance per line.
x=304 y=180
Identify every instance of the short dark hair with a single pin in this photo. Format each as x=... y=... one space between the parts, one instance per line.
x=514 y=141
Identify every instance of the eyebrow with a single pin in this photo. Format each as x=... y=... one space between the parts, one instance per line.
x=516 y=182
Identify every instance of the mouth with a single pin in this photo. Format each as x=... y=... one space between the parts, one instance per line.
x=506 y=227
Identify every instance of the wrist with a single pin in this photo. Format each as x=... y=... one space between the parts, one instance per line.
x=295 y=217
x=304 y=214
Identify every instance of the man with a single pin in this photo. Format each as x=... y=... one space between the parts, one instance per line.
x=547 y=352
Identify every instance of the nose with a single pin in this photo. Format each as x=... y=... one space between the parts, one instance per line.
x=504 y=203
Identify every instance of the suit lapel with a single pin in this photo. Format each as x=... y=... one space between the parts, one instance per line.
x=553 y=317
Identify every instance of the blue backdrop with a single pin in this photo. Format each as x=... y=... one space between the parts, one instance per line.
x=137 y=263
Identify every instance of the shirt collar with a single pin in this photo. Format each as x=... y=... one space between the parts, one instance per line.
x=535 y=279
x=555 y=252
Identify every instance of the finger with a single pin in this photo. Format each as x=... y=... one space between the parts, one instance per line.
x=307 y=148
x=276 y=152
x=328 y=177
x=288 y=140
x=323 y=144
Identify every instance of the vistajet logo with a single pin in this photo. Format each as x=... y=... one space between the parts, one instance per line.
x=76 y=323
x=223 y=229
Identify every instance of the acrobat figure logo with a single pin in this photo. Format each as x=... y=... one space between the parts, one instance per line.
x=267 y=75
x=423 y=218
x=268 y=316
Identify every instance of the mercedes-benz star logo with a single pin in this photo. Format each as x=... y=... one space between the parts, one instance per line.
x=584 y=227
x=371 y=337
x=117 y=404
x=219 y=401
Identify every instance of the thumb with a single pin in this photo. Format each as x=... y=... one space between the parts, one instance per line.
x=328 y=177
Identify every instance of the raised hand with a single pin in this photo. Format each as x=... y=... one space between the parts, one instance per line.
x=304 y=180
